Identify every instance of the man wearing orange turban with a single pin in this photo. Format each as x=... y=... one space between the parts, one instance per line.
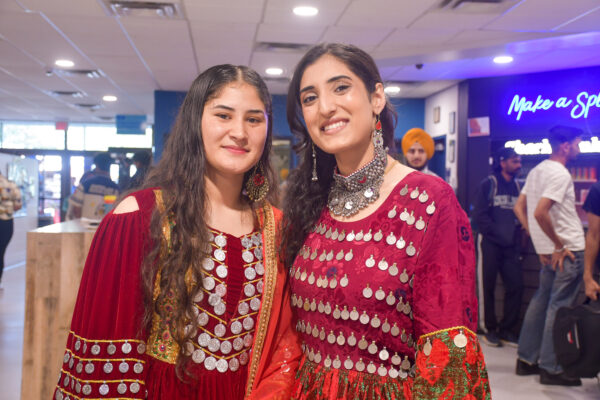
x=418 y=148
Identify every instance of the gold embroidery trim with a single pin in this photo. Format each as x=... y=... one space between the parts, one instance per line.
x=464 y=328
x=71 y=376
x=105 y=340
x=270 y=277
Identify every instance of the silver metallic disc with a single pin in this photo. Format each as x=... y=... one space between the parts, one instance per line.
x=248 y=323
x=336 y=363
x=393 y=373
x=259 y=286
x=384 y=354
x=248 y=339
x=220 y=308
x=260 y=268
x=364 y=318
x=103 y=389
x=210 y=363
x=368 y=236
x=141 y=348
x=87 y=389
x=246 y=242
x=226 y=347
x=214 y=299
x=360 y=365
x=214 y=344
x=401 y=243
x=372 y=349
x=79 y=367
x=415 y=193
x=89 y=367
x=202 y=319
x=404 y=215
x=221 y=290
x=122 y=388
x=371 y=368
x=66 y=357
x=203 y=339
x=222 y=365
x=410 y=250
x=349 y=255
x=236 y=327
x=378 y=236
x=220 y=240
x=123 y=367
x=460 y=340
x=249 y=290
x=222 y=271
x=392 y=213
x=380 y=294
x=250 y=273
x=208 y=264
x=423 y=197
x=111 y=349
x=238 y=344
x=382 y=371
x=95 y=349
x=134 y=387
x=382 y=265
x=367 y=292
x=247 y=256
x=350 y=237
x=108 y=367
x=393 y=270
x=208 y=283
x=390 y=239
x=258 y=253
x=220 y=330
x=234 y=364
x=420 y=224
x=370 y=262
x=244 y=358
x=430 y=208
x=255 y=304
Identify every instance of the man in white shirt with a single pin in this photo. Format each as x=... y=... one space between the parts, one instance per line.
x=546 y=208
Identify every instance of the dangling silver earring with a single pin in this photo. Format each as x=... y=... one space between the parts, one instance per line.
x=315 y=177
x=378 y=133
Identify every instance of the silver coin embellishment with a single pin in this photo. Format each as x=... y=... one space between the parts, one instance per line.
x=384 y=354
x=247 y=256
x=238 y=344
x=370 y=262
x=410 y=250
x=371 y=368
x=372 y=349
x=234 y=364
x=221 y=290
x=208 y=283
x=380 y=294
x=348 y=364
x=134 y=387
x=226 y=347
x=327 y=362
x=360 y=365
x=236 y=327
x=141 y=348
x=66 y=358
x=393 y=373
x=336 y=363
x=411 y=218
x=342 y=236
x=220 y=330
x=214 y=299
x=89 y=367
x=395 y=331
x=415 y=193
x=255 y=303
x=246 y=242
x=222 y=271
x=244 y=358
x=243 y=308
x=362 y=343
x=364 y=318
x=401 y=243
x=335 y=235
x=404 y=190
x=393 y=270
x=367 y=292
x=248 y=323
x=122 y=388
x=95 y=349
x=423 y=197
x=108 y=367
x=203 y=339
x=259 y=286
x=123 y=367
x=392 y=213
x=214 y=344
x=430 y=208
x=220 y=240
x=79 y=367
x=420 y=224
x=386 y=326
x=77 y=345
x=390 y=239
x=249 y=290
x=87 y=389
x=258 y=253
x=404 y=276
x=349 y=256
x=202 y=319
x=359 y=236
x=460 y=340
x=382 y=265
x=351 y=340
x=382 y=371
x=390 y=299
x=103 y=389
x=222 y=365
x=350 y=237
x=250 y=273
x=368 y=236
x=260 y=268
x=208 y=264
x=220 y=255
x=378 y=236
x=111 y=349
x=404 y=215
x=344 y=281
x=210 y=363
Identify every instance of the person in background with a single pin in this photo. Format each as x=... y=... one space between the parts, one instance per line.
x=592 y=241
x=142 y=160
x=10 y=201
x=88 y=199
x=183 y=295
x=500 y=246
x=546 y=208
x=418 y=148
x=381 y=258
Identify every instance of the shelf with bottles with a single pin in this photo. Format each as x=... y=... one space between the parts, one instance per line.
x=583 y=174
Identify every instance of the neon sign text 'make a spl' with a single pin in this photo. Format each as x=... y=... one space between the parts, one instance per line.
x=579 y=106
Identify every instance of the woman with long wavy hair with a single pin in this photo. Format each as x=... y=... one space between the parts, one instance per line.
x=380 y=255
x=182 y=296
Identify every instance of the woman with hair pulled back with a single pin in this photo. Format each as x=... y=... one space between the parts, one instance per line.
x=182 y=295
x=381 y=256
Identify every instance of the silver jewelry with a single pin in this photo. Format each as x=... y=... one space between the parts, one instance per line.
x=315 y=177
x=350 y=194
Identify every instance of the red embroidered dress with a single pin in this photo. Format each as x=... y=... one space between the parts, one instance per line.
x=108 y=356
x=386 y=305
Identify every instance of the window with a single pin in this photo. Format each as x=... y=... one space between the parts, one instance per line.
x=20 y=135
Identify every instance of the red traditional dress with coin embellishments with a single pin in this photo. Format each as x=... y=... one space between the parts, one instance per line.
x=386 y=305
x=245 y=347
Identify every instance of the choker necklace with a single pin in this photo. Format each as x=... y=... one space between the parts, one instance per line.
x=350 y=194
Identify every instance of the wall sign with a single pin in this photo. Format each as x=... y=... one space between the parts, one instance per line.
x=578 y=106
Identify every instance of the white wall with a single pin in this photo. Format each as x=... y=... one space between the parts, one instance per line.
x=16 y=251
x=447 y=101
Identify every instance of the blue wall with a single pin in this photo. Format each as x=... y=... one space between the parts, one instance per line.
x=411 y=113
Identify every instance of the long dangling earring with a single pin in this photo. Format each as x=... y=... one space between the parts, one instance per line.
x=257 y=185
x=315 y=177
x=378 y=133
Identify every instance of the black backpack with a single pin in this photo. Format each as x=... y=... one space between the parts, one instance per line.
x=577 y=339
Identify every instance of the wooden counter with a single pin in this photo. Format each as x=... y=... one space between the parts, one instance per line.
x=55 y=258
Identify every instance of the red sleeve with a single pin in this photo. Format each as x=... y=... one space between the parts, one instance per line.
x=105 y=348
x=444 y=281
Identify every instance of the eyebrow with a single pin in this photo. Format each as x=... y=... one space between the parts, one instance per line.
x=330 y=80
x=224 y=107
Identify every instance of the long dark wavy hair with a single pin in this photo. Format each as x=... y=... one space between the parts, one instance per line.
x=305 y=199
x=180 y=174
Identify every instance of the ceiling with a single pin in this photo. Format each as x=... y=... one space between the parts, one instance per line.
x=135 y=55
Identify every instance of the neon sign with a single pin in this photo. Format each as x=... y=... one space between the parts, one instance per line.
x=579 y=107
x=543 y=147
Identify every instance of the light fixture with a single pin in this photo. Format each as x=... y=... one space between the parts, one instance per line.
x=64 y=63
x=306 y=11
x=392 y=89
x=503 y=59
x=275 y=71
x=109 y=97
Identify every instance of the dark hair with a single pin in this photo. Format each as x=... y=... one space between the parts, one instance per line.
x=304 y=198
x=560 y=134
x=503 y=153
x=180 y=174
x=143 y=157
x=102 y=161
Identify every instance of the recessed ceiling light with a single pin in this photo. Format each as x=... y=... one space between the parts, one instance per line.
x=306 y=11
x=391 y=90
x=503 y=59
x=274 y=71
x=64 y=63
x=109 y=97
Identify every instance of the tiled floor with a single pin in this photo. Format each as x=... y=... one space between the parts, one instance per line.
x=500 y=361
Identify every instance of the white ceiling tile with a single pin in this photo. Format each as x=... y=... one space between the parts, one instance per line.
x=365 y=38
x=384 y=13
x=541 y=15
x=280 y=33
x=287 y=61
x=416 y=38
x=452 y=19
x=478 y=38
x=65 y=7
x=586 y=23
x=226 y=12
